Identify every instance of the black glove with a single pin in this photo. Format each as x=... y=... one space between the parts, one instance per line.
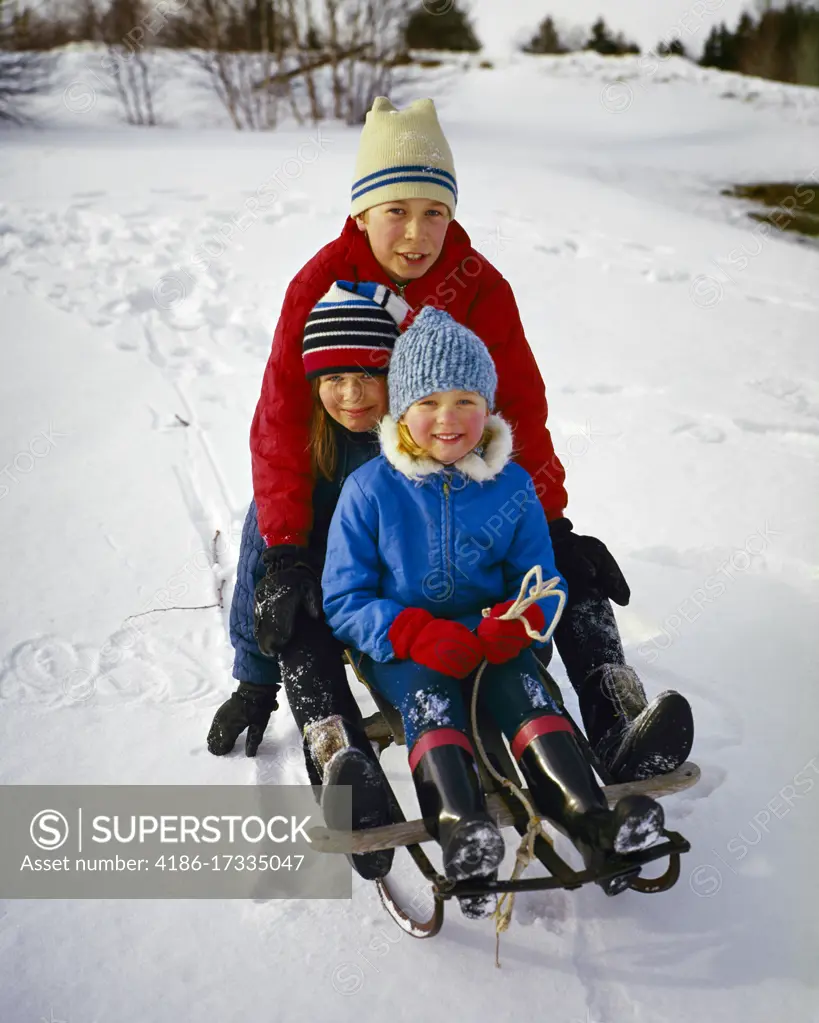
x=248 y=708
x=293 y=580
x=587 y=565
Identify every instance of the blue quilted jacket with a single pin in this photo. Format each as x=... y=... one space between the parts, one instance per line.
x=414 y=533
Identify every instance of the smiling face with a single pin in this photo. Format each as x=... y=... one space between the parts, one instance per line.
x=406 y=236
x=447 y=424
x=356 y=400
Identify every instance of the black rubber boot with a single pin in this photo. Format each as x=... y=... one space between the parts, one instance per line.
x=248 y=708
x=565 y=790
x=453 y=807
x=632 y=738
x=342 y=755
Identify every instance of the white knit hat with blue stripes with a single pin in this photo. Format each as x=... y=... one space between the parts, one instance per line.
x=403 y=155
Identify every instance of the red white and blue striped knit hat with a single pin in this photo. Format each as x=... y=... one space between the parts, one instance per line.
x=353 y=329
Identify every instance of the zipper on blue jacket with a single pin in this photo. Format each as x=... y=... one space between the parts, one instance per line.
x=448 y=561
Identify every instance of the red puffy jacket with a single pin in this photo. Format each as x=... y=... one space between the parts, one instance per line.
x=463 y=283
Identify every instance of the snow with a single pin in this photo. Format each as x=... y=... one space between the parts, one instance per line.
x=536 y=693
x=429 y=708
x=679 y=349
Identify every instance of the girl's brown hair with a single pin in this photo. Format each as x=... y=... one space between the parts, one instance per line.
x=323 y=452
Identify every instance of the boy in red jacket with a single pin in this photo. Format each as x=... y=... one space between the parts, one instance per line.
x=401 y=233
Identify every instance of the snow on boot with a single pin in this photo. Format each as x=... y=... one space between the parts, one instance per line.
x=565 y=790
x=637 y=824
x=343 y=755
x=479 y=907
x=452 y=805
x=634 y=739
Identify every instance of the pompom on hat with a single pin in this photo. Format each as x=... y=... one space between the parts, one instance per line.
x=352 y=329
x=403 y=154
x=436 y=353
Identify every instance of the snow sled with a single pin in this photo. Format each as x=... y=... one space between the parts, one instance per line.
x=385 y=727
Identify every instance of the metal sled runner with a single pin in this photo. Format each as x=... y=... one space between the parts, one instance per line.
x=385 y=727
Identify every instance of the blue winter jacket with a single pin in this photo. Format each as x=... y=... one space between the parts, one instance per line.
x=415 y=533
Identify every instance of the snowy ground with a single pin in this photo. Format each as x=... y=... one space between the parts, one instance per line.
x=679 y=350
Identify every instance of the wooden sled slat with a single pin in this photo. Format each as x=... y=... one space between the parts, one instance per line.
x=412 y=832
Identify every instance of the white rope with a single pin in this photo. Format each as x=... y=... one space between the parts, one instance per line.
x=525 y=853
x=538 y=591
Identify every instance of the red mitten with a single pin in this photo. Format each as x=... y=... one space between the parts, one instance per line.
x=448 y=647
x=406 y=629
x=503 y=640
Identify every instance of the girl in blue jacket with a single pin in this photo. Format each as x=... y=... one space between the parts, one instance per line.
x=440 y=526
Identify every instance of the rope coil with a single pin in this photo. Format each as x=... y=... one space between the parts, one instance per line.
x=525 y=853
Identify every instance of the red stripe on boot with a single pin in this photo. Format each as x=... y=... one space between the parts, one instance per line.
x=438 y=737
x=538 y=726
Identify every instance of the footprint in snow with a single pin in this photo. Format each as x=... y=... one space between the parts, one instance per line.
x=705 y=433
x=777 y=300
x=660 y=250
x=46 y=670
x=789 y=393
x=695 y=559
x=605 y=388
x=593 y=389
x=549 y=910
x=563 y=247
x=808 y=432
x=131 y=666
x=666 y=275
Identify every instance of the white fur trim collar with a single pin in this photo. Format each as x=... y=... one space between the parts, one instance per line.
x=476 y=467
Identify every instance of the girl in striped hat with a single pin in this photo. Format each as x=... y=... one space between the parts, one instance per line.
x=346 y=347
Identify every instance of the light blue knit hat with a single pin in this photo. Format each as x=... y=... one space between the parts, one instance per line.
x=438 y=354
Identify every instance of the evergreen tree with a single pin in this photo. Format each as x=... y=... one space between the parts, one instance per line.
x=806 y=58
x=710 y=55
x=746 y=28
x=673 y=49
x=720 y=49
x=784 y=45
x=730 y=49
x=545 y=40
x=602 y=41
x=448 y=30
